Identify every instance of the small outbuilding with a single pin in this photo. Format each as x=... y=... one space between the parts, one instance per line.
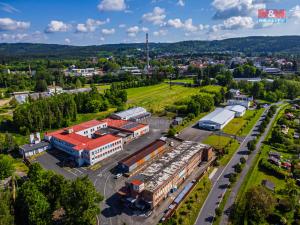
x=268 y=184
x=33 y=149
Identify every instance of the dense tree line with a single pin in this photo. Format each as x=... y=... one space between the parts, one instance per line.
x=281 y=88
x=59 y=110
x=136 y=83
x=46 y=198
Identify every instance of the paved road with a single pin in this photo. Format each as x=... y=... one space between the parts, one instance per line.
x=220 y=180
x=235 y=189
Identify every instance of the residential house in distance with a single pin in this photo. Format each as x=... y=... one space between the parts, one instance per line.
x=55 y=89
x=86 y=72
x=132 y=70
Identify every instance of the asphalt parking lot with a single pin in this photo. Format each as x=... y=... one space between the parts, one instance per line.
x=193 y=133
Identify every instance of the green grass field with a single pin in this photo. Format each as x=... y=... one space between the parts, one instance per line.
x=219 y=142
x=188 y=81
x=156 y=98
x=242 y=125
x=212 y=89
x=188 y=211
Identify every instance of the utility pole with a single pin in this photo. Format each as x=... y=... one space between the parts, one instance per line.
x=147 y=54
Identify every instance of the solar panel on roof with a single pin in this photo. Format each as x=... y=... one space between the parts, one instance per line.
x=129 y=126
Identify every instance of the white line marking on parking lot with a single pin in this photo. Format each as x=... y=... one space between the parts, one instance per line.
x=78 y=170
x=70 y=171
x=95 y=181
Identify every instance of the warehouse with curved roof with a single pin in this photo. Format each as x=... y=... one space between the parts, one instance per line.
x=217 y=119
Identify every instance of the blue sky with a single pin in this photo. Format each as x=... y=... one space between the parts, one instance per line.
x=95 y=22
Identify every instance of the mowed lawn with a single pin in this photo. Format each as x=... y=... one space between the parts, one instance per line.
x=243 y=124
x=220 y=142
x=156 y=98
x=216 y=141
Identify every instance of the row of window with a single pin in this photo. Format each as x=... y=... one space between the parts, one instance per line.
x=107 y=153
x=106 y=147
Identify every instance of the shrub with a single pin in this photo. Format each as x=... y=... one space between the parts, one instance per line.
x=271 y=168
x=242 y=160
x=218 y=211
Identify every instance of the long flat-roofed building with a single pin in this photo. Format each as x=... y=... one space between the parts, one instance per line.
x=217 y=119
x=134 y=114
x=142 y=156
x=159 y=178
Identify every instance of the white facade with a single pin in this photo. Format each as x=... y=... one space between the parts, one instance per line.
x=238 y=109
x=217 y=119
x=88 y=156
x=87 y=72
x=55 y=90
x=98 y=154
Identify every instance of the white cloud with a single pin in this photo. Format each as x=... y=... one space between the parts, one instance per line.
x=112 y=5
x=176 y=23
x=57 y=26
x=67 y=40
x=122 y=25
x=186 y=25
x=90 y=26
x=160 y=33
x=145 y=29
x=181 y=3
x=102 y=39
x=156 y=17
x=108 y=31
x=232 y=8
x=133 y=31
x=295 y=12
x=234 y=23
x=10 y=24
x=8 y=8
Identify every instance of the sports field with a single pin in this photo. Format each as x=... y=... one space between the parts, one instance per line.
x=156 y=98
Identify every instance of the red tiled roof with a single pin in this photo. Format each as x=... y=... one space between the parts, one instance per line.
x=98 y=142
x=74 y=139
x=78 y=127
x=86 y=125
x=136 y=182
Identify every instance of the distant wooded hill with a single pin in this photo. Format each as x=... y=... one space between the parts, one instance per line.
x=247 y=45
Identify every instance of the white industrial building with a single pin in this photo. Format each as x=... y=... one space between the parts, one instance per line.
x=238 y=109
x=217 y=119
x=134 y=114
x=242 y=100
